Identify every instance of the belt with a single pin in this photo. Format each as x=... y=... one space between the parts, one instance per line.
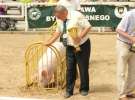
x=124 y=41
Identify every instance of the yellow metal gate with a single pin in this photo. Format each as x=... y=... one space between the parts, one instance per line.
x=32 y=56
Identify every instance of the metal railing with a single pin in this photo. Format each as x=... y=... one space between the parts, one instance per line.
x=24 y=8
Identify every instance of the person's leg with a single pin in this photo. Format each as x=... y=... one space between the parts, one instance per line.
x=123 y=55
x=71 y=69
x=83 y=64
x=131 y=75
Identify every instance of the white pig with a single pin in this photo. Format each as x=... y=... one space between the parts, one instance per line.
x=48 y=62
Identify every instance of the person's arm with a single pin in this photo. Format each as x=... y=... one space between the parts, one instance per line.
x=125 y=34
x=56 y=34
x=123 y=27
x=53 y=38
x=84 y=23
x=84 y=32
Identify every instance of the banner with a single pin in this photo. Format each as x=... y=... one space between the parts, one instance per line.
x=104 y=15
x=98 y=15
x=40 y=16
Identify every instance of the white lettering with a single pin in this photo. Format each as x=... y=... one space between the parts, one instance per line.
x=50 y=18
x=88 y=9
x=98 y=17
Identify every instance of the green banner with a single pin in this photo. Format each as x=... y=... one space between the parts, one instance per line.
x=104 y=15
x=40 y=16
x=98 y=15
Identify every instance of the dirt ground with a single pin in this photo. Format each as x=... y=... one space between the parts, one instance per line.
x=102 y=68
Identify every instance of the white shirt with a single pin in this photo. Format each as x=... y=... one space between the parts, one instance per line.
x=127 y=24
x=74 y=19
x=70 y=4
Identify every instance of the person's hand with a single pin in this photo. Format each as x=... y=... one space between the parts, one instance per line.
x=77 y=40
x=47 y=44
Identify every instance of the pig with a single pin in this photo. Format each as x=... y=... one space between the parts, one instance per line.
x=48 y=63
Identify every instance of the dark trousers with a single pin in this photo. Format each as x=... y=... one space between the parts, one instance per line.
x=82 y=59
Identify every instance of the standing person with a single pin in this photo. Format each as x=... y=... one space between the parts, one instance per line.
x=68 y=19
x=126 y=56
x=70 y=4
x=3 y=8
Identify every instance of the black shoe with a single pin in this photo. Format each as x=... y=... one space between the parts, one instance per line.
x=84 y=93
x=131 y=95
x=67 y=95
